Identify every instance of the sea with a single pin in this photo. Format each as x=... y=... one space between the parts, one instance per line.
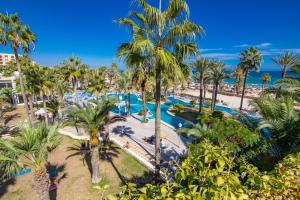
x=254 y=78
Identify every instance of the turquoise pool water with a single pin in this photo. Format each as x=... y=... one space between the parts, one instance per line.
x=136 y=106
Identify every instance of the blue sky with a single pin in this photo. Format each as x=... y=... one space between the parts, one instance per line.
x=86 y=29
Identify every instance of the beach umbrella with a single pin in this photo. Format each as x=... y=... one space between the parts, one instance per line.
x=41 y=111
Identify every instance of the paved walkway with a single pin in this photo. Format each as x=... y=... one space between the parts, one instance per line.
x=133 y=131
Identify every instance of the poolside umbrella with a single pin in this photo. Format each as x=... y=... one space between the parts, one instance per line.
x=41 y=111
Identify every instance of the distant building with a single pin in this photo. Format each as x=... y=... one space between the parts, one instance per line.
x=5 y=58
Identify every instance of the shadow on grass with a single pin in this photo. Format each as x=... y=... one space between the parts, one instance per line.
x=108 y=151
x=56 y=175
x=81 y=150
x=5 y=184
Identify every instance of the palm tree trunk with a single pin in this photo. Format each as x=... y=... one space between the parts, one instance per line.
x=41 y=184
x=244 y=87
x=204 y=90
x=144 y=102
x=75 y=92
x=95 y=165
x=30 y=99
x=201 y=93
x=128 y=106
x=212 y=98
x=215 y=96
x=22 y=85
x=283 y=73
x=157 y=119
x=45 y=108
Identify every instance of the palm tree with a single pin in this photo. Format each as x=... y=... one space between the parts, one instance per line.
x=73 y=72
x=30 y=149
x=292 y=83
x=125 y=86
x=202 y=65
x=265 y=78
x=286 y=60
x=13 y=31
x=158 y=32
x=113 y=73
x=250 y=60
x=280 y=116
x=217 y=74
x=94 y=118
x=239 y=77
x=96 y=81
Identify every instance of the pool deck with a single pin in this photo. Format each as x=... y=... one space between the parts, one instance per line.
x=133 y=131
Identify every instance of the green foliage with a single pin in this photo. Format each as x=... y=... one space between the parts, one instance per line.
x=225 y=131
x=149 y=97
x=178 y=108
x=193 y=103
x=212 y=172
x=217 y=114
x=30 y=148
x=280 y=117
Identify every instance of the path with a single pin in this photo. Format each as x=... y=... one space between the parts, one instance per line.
x=133 y=132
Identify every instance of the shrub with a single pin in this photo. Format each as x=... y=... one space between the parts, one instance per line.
x=193 y=103
x=217 y=114
x=178 y=108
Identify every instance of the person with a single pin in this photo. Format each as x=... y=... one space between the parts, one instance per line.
x=127 y=145
x=162 y=144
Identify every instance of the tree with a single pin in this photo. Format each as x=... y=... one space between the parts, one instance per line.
x=239 y=78
x=286 y=60
x=139 y=63
x=96 y=81
x=74 y=71
x=30 y=149
x=292 y=83
x=202 y=65
x=113 y=73
x=13 y=31
x=250 y=60
x=281 y=118
x=265 y=79
x=94 y=118
x=217 y=74
x=125 y=86
x=164 y=30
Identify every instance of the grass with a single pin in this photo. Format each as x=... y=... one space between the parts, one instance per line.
x=77 y=184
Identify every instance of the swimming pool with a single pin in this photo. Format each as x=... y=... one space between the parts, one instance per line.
x=136 y=106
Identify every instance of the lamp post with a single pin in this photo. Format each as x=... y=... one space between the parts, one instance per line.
x=120 y=101
x=179 y=125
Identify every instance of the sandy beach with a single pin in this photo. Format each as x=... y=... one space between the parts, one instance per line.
x=231 y=101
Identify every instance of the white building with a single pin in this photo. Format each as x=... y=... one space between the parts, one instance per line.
x=5 y=58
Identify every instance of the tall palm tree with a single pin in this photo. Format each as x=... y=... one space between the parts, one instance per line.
x=20 y=37
x=30 y=149
x=250 y=60
x=202 y=66
x=164 y=30
x=217 y=74
x=238 y=77
x=113 y=73
x=265 y=79
x=94 y=118
x=286 y=60
x=125 y=86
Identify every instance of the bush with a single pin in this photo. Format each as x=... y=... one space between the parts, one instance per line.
x=178 y=108
x=218 y=114
x=193 y=103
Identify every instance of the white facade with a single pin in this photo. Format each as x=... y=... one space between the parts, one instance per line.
x=5 y=58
